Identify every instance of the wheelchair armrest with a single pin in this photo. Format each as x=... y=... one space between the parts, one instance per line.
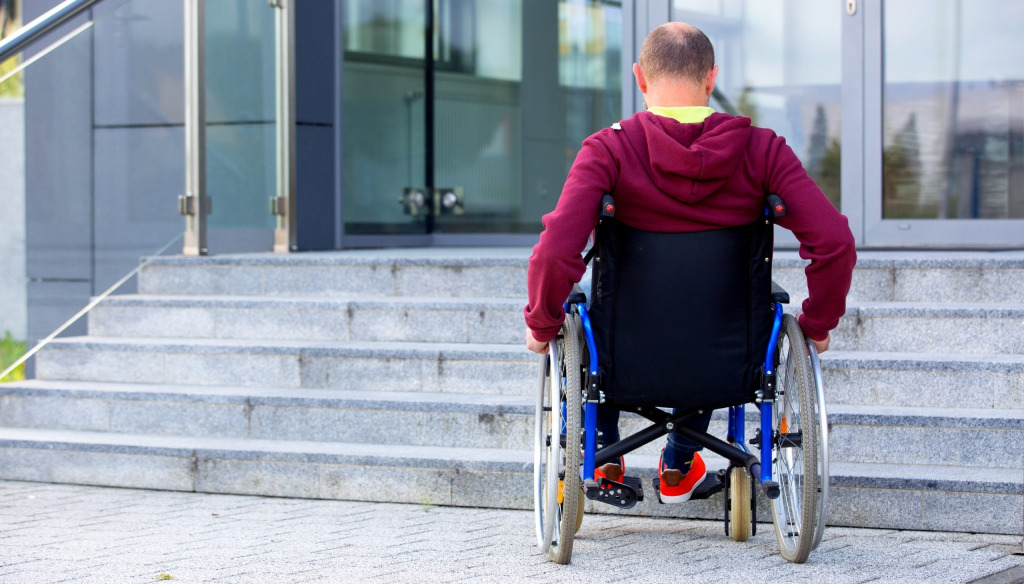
x=778 y=294
x=577 y=295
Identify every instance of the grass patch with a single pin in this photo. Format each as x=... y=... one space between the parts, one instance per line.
x=10 y=351
x=15 y=86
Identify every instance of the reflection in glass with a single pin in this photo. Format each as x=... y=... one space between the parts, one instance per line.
x=780 y=64
x=953 y=113
x=382 y=114
x=589 y=69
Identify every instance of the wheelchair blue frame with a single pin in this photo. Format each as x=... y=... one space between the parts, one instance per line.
x=736 y=425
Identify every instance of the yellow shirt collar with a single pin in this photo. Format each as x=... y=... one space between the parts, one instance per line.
x=683 y=115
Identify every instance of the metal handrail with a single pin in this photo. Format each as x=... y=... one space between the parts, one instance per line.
x=88 y=307
x=31 y=32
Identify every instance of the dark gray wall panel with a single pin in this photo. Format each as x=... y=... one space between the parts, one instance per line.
x=140 y=64
x=138 y=178
x=315 y=184
x=315 y=62
x=58 y=170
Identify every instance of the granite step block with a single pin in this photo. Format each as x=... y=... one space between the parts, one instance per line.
x=445 y=320
x=494 y=273
x=891 y=496
x=944 y=380
x=920 y=276
x=917 y=276
x=930 y=327
x=367 y=366
x=960 y=437
x=870 y=434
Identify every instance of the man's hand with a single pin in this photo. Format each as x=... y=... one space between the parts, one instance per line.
x=541 y=348
x=822 y=346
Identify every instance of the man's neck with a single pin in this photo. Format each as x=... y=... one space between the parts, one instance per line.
x=675 y=95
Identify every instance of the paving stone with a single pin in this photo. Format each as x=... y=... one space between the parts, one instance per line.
x=329 y=539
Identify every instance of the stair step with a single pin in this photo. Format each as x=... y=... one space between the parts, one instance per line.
x=451 y=320
x=927 y=436
x=966 y=437
x=924 y=379
x=854 y=378
x=898 y=327
x=926 y=497
x=915 y=276
x=432 y=367
x=495 y=272
x=920 y=276
x=931 y=327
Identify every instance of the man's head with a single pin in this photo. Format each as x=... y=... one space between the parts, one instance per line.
x=676 y=59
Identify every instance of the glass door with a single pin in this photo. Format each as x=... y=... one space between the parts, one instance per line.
x=945 y=87
x=780 y=63
x=384 y=118
x=468 y=140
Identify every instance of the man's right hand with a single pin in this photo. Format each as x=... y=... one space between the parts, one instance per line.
x=822 y=345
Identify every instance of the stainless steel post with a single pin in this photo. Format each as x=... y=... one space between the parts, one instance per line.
x=284 y=204
x=194 y=204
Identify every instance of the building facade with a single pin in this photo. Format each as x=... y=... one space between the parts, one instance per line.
x=454 y=122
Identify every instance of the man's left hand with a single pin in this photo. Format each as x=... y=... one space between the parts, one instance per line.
x=541 y=348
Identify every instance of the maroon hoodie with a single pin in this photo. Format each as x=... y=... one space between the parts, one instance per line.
x=673 y=177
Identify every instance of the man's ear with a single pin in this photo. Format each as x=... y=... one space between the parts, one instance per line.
x=709 y=80
x=641 y=81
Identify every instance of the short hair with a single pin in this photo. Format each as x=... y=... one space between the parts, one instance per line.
x=679 y=50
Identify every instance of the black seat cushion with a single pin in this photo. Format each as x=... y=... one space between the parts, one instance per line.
x=682 y=319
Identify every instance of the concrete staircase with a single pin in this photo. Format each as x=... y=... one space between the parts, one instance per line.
x=400 y=375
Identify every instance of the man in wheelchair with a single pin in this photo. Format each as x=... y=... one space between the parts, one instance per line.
x=680 y=167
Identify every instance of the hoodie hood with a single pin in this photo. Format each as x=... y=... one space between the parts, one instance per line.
x=689 y=162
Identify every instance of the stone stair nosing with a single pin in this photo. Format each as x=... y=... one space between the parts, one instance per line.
x=927 y=497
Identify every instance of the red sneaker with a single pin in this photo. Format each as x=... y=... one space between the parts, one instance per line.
x=611 y=471
x=675 y=487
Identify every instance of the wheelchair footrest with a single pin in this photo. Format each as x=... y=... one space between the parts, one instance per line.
x=623 y=495
x=711 y=485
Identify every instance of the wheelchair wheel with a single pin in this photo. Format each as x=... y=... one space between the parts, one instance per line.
x=558 y=500
x=796 y=446
x=739 y=504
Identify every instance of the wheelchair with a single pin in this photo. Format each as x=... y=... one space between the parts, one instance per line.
x=676 y=324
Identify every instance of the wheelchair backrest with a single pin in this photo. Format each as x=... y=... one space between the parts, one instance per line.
x=682 y=319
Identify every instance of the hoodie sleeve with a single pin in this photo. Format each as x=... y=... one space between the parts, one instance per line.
x=556 y=263
x=824 y=235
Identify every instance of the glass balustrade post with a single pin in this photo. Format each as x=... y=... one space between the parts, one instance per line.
x=283 y=205
x=195 y=204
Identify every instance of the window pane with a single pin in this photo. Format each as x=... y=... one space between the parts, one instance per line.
x=779 y=63
x=953 y=114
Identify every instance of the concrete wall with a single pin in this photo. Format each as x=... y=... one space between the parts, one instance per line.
x=13 y=298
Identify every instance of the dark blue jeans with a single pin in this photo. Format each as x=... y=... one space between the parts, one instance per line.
x=679 y=450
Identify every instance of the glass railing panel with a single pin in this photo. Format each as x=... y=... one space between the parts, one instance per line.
x=241 y=117
x=96 y=145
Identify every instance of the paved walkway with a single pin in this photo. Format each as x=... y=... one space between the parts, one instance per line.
x=61 y=533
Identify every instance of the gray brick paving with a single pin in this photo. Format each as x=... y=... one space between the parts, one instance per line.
x=65 y=533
